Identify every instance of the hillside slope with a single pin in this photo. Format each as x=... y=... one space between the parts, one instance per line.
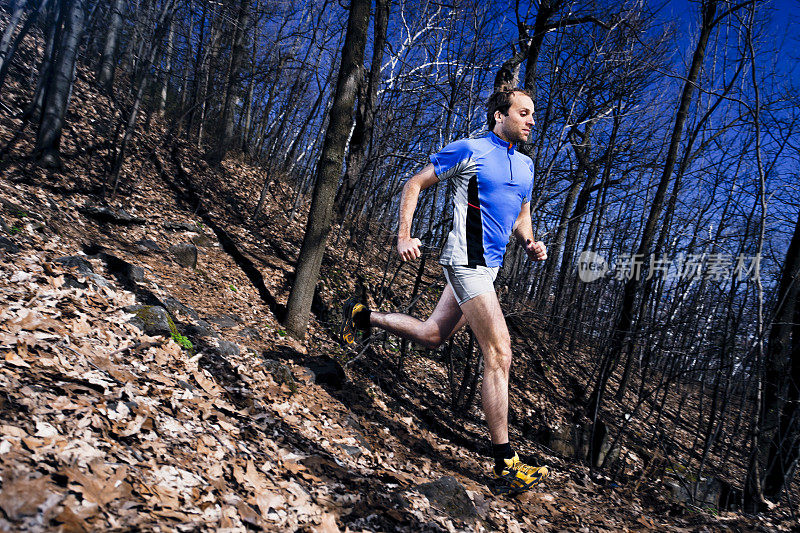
x=112 y=421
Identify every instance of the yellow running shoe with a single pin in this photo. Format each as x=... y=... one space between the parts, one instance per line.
x=350 y=322
x=518 y=477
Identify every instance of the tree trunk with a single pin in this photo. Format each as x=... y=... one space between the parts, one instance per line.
x=105 y=74
x=221 y=147
x=365 y=114
x=546 y=10
x=558 y=241
x=184 y=91
x=209 y=59
x=8 y=49
x=162 y=102
x=329 y=170
x=247 y=116
x=59 y=88
x=781 y=423
x=17 y=8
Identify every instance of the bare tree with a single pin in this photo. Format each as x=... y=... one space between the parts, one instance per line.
x=108 y=61
x=59 y=88
x=329 y=171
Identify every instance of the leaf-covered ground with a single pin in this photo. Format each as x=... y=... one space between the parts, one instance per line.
x=103 y=427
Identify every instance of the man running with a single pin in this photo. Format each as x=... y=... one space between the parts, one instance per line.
x=493 y=183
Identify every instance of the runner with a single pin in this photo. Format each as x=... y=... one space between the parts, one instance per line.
x=492 y=197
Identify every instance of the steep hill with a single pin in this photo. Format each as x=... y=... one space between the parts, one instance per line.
x=148 y=384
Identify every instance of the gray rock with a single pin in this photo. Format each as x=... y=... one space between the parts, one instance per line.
x=449 y=495
x=706 y=491
x=185 y=254
x=72 y=282
x=280 y=373
x=228 y=348
x=176 y=307
x=136 y=273
x=179 y=226
x=76 y=262
x=109 y=214
x=353 y=451
x=148 y=245
x=203 y=240
x=225 y=321
x=152 y=319
x=122 y=269
x=7 y=245
x=100 y=281
x=250 y=333
x=200 y=328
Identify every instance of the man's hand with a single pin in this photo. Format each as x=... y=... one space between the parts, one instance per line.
x=536 y=251
x=408 y=248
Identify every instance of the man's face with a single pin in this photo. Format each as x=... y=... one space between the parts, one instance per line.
x=517 y=125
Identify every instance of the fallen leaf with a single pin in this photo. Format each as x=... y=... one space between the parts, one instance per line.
x=22 y=497
x=13 y=358
x=327 y=524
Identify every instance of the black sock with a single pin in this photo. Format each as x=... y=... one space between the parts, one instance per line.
x=500 y=452
x=361 y=318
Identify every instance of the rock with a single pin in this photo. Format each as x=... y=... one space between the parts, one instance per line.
x=326 y=371
x=249 y=333
x=353 y=451
x=136 y=273
x=152 y=319
x=303 y=375
x=711 y=491
x=148 y=245
x=98 y=280
x=38 y=226
x=109 y=214
x=203 y=240
x=76 y=262
x=227 y=348
x=200 y=328
x=225 y=321
x=7 y=245
x=185 y=254
x=609 y=452
x=280 y=373
x=121 y=269
x=179 y=226
x=449 y=495
x=176 y=307
x=72 y=282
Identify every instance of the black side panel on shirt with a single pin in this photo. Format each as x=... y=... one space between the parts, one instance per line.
x=474 y=225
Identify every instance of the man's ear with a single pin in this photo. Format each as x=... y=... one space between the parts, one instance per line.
x=498 y=116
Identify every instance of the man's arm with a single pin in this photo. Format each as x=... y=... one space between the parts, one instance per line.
x=523 y=231
x=407 y=247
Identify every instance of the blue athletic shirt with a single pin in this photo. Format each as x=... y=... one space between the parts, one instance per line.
x=492 y=181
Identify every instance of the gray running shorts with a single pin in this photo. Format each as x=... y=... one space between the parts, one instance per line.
x=469 y=282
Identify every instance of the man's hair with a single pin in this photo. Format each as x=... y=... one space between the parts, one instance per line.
x=501 y=101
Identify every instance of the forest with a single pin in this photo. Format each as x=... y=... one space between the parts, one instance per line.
x=656 y=349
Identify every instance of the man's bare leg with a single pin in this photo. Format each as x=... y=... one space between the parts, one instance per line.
x=485 y=317
x=445 y=320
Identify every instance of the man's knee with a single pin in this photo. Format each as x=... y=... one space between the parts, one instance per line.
x=498 y=358
x=432 y=336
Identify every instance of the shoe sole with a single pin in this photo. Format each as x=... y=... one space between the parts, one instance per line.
x=346 y=333
x=504 y=486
